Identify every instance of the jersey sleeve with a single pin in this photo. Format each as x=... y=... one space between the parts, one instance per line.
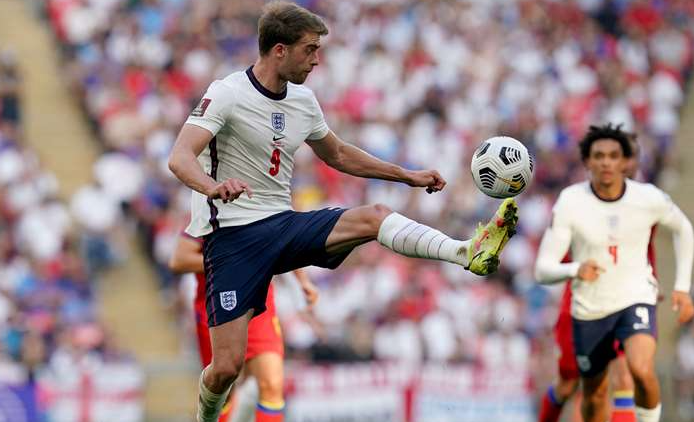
x=671 y=216
x=555 y=243
x=320 y=128
x=213 y=110
x=665 y=211
x=561 y=217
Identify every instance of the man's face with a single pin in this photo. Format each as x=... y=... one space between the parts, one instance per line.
x=300 y=58
x=606 y=162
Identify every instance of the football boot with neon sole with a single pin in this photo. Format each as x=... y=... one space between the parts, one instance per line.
x=488 y=242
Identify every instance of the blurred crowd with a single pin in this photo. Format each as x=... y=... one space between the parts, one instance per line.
x=420 y=83
x=48 y=262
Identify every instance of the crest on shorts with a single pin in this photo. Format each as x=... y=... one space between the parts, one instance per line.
x=278 y=121
x=228 y=300
x=583 y=362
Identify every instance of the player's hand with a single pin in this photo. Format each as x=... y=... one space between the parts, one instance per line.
x=229 y=190
x=682 y=304
x=590 y=270
x=430 y=179
x=310 y=293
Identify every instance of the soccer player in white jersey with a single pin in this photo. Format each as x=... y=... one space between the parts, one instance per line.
x=606 y=223
x=240 y=140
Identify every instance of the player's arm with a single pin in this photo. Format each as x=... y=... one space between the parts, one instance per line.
x=184 y=164
x=183 y=160
x=555 y=243
x=309 y=289
x=683 y=240
x=354 y=161
x=187 y=257
x=548 y=266
x=203 y=124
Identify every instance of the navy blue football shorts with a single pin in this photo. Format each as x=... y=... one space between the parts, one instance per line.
x=594 y=340
x=241 y=260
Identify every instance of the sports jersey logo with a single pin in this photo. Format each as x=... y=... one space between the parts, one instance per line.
x=199 y=111
x=613 y=221
x=228 y=300
x=278 y=121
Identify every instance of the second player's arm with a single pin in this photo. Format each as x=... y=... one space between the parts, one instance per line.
x=683 y=241
x=309 y=289
x=548 y=266
x=354 y=161
x=187 y=256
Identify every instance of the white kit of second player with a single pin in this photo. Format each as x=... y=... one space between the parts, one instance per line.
x=616 y=235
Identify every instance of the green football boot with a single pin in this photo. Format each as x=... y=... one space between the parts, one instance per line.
x=485 y=248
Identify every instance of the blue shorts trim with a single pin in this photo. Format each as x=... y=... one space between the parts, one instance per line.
x=241 y=260
x=594 y=340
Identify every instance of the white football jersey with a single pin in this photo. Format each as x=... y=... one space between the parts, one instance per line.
x=256 y=134
x=616 y=235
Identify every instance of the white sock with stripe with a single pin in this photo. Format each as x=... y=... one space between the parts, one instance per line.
x=648 y=415
x=407 y=237
x=210 y=404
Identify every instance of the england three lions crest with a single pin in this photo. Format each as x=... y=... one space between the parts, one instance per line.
x=278 y=121
x=228 y=300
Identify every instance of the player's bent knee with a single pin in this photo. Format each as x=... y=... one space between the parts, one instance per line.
x=642 y=371
x=566 y=387
x=596 y=400
x=226 y=370
x=271 y=388
x=376 y=214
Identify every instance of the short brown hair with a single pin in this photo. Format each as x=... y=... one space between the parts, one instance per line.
x=285 y=23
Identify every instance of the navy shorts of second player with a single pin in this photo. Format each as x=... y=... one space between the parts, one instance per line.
x=594 y=340
x=241 y=260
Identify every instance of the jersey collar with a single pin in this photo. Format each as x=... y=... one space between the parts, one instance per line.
x=624 y=190
x=266 y=92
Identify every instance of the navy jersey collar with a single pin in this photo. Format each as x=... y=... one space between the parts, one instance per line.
x=266 y=92
x=624 y=190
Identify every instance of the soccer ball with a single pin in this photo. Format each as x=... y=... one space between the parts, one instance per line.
x=502 y=167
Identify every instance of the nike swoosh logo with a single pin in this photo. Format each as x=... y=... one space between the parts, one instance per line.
x=512 y=183
x=277 y=138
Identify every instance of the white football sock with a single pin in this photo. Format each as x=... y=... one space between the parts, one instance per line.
x=648 y=415
x=209 y=404
x=409 y=238
x=247 y=395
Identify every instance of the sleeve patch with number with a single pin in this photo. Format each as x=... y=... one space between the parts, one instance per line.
x=199 y=111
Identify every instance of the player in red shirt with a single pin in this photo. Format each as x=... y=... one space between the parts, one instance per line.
x=265 y=350
x=620 y=378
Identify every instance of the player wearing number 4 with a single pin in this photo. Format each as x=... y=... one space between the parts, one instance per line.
x=236 y=153
x=606 y=222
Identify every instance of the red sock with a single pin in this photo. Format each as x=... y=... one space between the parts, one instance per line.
x=269 y=412
x=228 y=408
x=623 y=407
x=551 y=407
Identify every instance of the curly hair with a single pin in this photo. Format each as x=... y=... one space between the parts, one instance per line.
x=607 y=131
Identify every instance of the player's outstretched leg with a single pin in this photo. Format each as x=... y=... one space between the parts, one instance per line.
x=410 y=238
x=485 y=248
